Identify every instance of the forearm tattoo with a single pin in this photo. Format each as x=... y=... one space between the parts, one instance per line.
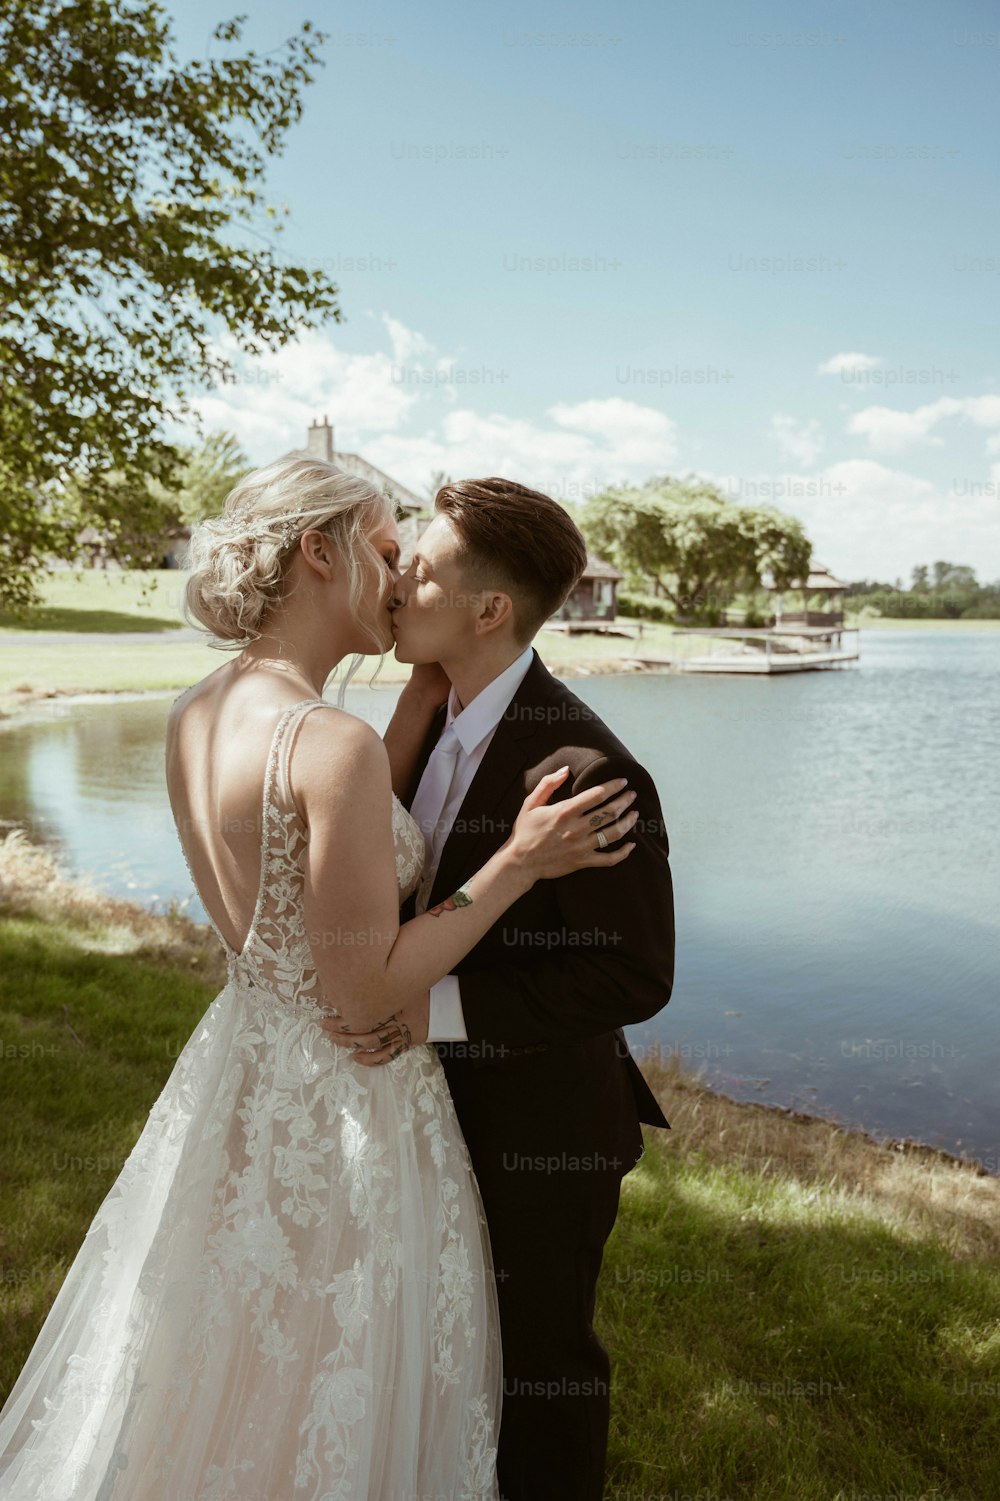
x=461 y=898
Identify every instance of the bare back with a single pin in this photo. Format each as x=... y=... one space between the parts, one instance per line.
x=218 y=737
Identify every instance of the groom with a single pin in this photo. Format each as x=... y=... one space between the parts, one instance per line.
x=529 y=1025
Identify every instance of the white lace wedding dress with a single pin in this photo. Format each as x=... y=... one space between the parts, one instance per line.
x=288 y=1292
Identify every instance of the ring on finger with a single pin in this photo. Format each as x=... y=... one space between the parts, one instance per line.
x=602 y=840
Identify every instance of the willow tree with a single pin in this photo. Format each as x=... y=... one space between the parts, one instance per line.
x=134 y=238
x=694 y=544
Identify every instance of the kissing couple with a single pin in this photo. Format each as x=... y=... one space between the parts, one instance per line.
x=353 y=1255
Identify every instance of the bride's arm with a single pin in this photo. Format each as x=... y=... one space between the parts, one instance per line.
x=368 y=965
x=422 y=696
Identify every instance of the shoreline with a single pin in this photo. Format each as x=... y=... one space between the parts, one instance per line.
x=28 y=702
x=904 y=1146
x=33 y=884
x=20 y=704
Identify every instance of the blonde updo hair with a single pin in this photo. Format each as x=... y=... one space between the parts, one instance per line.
x=239 y=559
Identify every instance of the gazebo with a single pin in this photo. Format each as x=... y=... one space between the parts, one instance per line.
x=822 y=601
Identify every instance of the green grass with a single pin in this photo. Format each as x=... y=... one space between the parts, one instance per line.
x=87 y=1041
x=110 y=604
x=770 y=1340
x=793 y=1312
x=47 y=669
x=95 y=600
x=113 y=603
x=593 y=649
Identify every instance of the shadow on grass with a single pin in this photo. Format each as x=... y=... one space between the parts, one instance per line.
x=108 y=622
x=771 y=1340
x=87 y=1042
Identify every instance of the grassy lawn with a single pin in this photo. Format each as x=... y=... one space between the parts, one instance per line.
x=793 y=1312
x=93 y=600
x=48 y=669
x=797 y=1314
x=116 y=604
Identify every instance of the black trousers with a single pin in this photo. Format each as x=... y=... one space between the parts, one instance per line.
x=549 y=1215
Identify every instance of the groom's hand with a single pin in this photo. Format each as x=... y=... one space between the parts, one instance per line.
x=404 y=1029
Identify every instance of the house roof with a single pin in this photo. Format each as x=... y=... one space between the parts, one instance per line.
x=353 y=463
x=819 y=578
x=597 y=568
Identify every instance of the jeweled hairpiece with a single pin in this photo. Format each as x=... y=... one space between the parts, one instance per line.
x=264 y=526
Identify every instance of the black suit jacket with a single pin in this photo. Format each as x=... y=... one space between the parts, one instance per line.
x=575 y=959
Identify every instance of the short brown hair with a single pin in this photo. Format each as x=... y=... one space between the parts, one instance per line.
x=517 y=540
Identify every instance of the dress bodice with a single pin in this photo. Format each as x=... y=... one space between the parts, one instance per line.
x=276 y=955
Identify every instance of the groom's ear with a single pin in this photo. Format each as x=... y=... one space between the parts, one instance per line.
x=494 y=609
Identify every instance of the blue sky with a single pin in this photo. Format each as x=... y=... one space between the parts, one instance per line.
x=757 y=243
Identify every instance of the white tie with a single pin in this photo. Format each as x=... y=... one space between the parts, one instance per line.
x=429 y=802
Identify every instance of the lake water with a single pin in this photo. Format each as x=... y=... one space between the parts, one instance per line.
x=834 y=850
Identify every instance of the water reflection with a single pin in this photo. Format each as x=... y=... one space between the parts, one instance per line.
x=833 y=848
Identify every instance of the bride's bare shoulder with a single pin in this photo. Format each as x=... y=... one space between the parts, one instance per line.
x=337 y=754
x=196 y=697
x=335 y=735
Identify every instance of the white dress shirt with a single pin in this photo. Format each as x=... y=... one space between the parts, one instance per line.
x=475 y=727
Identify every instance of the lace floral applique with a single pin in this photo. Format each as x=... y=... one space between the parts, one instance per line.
x=292 y=1236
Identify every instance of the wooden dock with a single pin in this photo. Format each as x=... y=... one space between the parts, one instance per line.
x=602 y=627
x=769 y=651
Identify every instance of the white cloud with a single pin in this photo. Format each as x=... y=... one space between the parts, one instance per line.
x=375 y=402
x=644 y=434
x=852 y=361
x=406 y=342
x=802 y=441
x=888 y=430
x=867 y=520
x=894 y=520
x=581 y=448
x=864 y=517
x=984 y=411
x=277 y=395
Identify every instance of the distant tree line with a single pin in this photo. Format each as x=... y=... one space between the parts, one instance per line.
x=938 y=591
x=687 y=551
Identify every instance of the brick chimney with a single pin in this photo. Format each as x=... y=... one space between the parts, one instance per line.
x=319 y=444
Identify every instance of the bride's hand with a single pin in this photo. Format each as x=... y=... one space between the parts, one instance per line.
x=554 y=840
x=429 y=682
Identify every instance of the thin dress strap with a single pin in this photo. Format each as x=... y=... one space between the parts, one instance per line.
x=264 y=849
x=289 y=730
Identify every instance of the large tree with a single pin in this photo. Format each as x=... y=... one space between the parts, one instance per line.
x=147 y=507
x=207 y=473
x=133 y=233
x=696 y=545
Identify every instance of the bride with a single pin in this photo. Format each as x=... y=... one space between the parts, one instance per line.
x=288 y=1290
